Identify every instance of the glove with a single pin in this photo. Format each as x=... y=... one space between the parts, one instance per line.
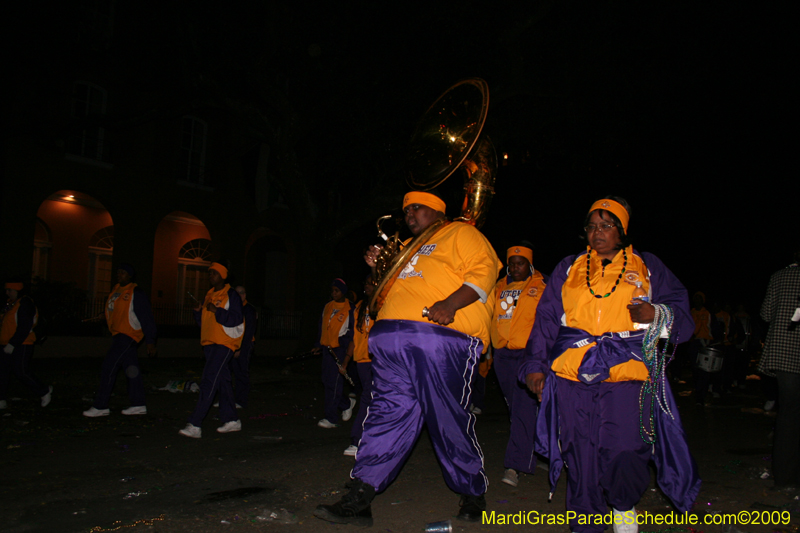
x=8 y=349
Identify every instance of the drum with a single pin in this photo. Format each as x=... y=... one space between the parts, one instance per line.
x=710 y=359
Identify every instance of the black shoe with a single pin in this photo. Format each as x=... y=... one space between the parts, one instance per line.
x=354 y=507
x=472 y=508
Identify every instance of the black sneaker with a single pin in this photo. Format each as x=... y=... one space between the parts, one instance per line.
x=472 y=508
x=354 y=507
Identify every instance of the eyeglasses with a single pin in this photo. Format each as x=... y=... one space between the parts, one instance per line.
x=602 y=228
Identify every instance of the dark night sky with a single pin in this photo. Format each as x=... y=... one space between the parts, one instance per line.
x=679 y=109
x=682 y=108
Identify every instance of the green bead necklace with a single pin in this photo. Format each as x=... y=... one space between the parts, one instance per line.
x=588 y=274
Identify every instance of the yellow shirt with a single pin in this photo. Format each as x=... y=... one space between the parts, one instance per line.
x=702 y=324
x=456 y=255
x=360 y=339
x=515 y=311
x=9 y=327
x=211 y=331
x=600 y=315
x=119 y=312
x=335 y=322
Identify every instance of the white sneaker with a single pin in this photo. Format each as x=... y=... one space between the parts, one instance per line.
x=191 y=431
x=510 y=477
x=3 y=404
x=627 y=521
x=347 y=414
x=325 y=423
x=137 y=410
x=93 y=413
x=47 y=397
x=216 y=404
x=351 y=450
x=228 y=427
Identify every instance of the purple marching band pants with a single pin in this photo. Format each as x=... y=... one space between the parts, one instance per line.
x=522 y=406
x=365 y=374
x=240 y=367
x=121 y=355
x=336 y=400
x=18 y=363
x=421 y=375
x=600 y=440
x=216 y=377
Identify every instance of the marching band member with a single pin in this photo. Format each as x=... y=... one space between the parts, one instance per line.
x=518 y=295
x=129 y=320
x=17 y=338
x=240 y=364
x=221 y=331
x=586 y=362
x=335 y=334
x=426 y=342
x=358 y=351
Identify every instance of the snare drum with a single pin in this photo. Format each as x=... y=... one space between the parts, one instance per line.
x=710 y=359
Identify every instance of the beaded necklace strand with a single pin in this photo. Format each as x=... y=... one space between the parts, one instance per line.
x=655 y=388
x=588 y=274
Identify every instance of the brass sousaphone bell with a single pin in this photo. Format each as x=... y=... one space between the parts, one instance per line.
x=447 y=138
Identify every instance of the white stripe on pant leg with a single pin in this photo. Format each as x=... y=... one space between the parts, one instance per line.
x=466 y=392
x=473 y=356
x=224 y=362
x=472 y=418
x=113 y=375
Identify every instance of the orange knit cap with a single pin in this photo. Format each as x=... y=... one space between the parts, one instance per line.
x=14 y=286
x=424 y=198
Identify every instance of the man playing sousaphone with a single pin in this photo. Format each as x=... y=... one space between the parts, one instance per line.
x=428 y=338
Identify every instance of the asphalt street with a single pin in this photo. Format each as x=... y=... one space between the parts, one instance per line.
x=62 y=472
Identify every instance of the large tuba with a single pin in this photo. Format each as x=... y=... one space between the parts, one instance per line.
x=447 y=138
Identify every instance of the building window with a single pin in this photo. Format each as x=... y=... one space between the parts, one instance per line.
x=98 y=15
x=88 y=110
x=193 y=151
x=101 y=248
x=194 y=259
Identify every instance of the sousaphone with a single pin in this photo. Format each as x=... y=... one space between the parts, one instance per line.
x=447 y=140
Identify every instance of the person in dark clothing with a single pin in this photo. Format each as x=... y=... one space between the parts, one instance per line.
x=781 y=359
x=130 y=320
x=17 y=338
x=240 y=365
x=221 y=332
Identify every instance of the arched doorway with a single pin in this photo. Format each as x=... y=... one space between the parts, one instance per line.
x=101 y=249
x=180 y=260
x=73 y=230
x=194 y=259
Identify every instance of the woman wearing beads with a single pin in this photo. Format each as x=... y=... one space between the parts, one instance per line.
x=593 y=360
